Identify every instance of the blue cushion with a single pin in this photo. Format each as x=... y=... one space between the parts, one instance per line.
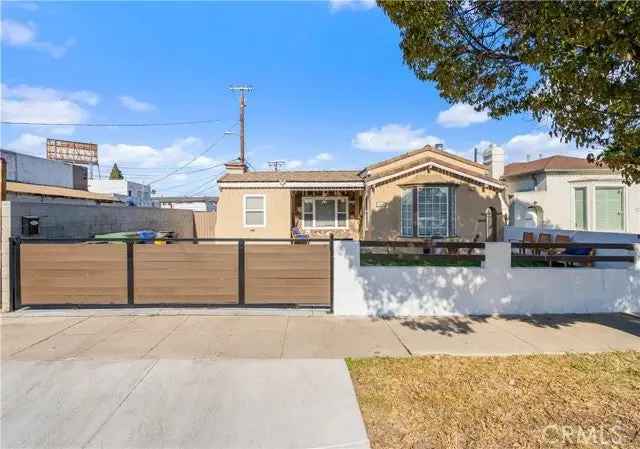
x=577 y=251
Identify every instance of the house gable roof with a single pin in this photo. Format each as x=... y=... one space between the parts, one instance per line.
x=425 y=149
x=455 y=170
x=552 y=163
x=294 y=176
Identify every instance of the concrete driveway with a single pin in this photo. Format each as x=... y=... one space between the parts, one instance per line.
x=180 y=404
x=180 y=378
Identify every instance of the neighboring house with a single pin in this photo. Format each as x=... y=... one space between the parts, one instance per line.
x=35 y=179
x=194 y=203
x=132 y=193
x=420 y=194
x=570 y=193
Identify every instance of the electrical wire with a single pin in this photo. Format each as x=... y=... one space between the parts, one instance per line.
x=192 y=122
x=206 y=150
x=206 y=185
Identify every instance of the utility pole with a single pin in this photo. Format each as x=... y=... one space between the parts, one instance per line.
x=242 y=89
x=276 y=164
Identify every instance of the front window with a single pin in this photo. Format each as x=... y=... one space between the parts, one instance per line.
x=324 y=212
x=609 y=209
x=434 y=212
x=254 y=211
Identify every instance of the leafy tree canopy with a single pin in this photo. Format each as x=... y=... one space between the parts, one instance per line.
x=115 y=172
x=572 y=64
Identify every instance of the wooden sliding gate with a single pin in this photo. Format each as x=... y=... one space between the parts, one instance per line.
x=207 y=272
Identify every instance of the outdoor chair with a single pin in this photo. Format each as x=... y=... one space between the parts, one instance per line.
x=527 y=237
x=298 y=236
x=543 y=238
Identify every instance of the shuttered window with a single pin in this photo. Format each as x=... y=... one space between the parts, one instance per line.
x=580 y=207
x=609 y=209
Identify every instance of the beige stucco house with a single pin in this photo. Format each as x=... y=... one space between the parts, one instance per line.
x=426 y=193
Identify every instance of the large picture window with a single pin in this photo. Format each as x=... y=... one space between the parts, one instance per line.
x=428 y=212
x=325 y=212
x=254 y=211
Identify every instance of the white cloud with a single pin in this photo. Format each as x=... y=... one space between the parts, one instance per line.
x=33 y=104
x=177 y=154
x=339 y=5
x=24 y=34
x=135 y=105
x=294 y=164
x=319 y=158
x=29 y=144
x=534 y=145
x=393 y=137
x=460 y=116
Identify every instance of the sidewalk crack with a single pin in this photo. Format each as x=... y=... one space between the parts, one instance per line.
x=126 y=396
x=49 y=336
x=406 y=348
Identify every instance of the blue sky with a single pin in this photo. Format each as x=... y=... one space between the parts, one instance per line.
x=331 y=90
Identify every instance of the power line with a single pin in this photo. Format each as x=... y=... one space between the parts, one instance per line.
x=206 y=185
x=192 y=122
x=206 y=150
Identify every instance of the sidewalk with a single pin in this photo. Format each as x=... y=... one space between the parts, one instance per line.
x=116 y=335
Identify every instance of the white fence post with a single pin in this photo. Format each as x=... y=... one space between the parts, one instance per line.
x=497 y=256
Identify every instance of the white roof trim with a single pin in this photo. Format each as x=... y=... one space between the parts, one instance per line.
x=435 y=164
x=292 y=185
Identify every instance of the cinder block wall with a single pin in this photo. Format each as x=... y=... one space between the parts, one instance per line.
x=72 y=221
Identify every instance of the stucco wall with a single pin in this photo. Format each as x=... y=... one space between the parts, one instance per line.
x=494 y=289
x=471 y=203
x=36 y=170
x=230 y=222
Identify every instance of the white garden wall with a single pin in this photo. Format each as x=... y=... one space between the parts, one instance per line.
x=496 y=288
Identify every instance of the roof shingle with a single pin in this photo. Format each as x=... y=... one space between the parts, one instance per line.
x=552 y=163
x=294 y=176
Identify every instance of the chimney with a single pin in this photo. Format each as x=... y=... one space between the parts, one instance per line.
x=493 y=157
x=439 y=146
x=235 y=167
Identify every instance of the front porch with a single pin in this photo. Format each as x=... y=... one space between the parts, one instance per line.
x=319 y=213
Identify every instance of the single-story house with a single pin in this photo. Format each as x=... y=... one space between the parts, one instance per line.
x=425 y=193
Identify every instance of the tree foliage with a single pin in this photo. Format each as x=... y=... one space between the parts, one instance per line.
x=574 y=65
x=115 y=172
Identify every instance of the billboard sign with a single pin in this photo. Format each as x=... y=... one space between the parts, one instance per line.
x=69 y=151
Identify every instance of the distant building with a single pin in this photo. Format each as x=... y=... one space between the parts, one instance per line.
x=570 y=193
x=35 y=179
x=132 y=193
x=194 y=203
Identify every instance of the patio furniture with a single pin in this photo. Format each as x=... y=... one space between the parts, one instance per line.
x=527 y=237
x=298 y=236
x=543 y=238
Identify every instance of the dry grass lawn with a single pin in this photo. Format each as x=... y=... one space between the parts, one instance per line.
x=565 y=401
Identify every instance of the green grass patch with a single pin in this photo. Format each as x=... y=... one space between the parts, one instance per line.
x=402 y=260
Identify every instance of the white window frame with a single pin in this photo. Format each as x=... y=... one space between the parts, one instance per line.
x=245 y=210
x=625 y=215
x=417 y=230
x=313 y=200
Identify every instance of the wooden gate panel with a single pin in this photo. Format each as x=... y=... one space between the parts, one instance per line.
x=287 y=274
x=186 y=274
x=73 y=274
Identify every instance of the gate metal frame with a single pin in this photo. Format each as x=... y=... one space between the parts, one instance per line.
x=15 y=273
